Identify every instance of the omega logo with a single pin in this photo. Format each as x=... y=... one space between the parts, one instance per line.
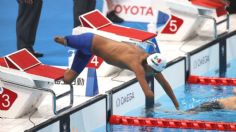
x=201 y=61
x=124 y=99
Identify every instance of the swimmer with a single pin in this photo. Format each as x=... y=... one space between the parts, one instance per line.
x=228 y=103
x=119 y=54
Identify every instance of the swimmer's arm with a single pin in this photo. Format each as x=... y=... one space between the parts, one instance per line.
x=140 y=75
x=228 y=103
x=234 y=91
x=166 y=86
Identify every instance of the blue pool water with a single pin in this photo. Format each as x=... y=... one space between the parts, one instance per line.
x=188 y=96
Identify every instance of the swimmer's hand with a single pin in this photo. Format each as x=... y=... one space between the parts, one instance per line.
x=191 y=112
x=176 y=105
x=149 y=94
x=149 y=99
x=175 y=102
x=60 y=40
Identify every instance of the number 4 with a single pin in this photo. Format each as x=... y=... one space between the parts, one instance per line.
x=94 y=60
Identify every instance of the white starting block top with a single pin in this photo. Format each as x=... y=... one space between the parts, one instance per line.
x=187 y=17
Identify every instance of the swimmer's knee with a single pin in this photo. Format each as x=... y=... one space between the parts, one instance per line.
x=69 y=76
x=67 y=81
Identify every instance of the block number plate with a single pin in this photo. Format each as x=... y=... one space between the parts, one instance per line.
x=7 y=98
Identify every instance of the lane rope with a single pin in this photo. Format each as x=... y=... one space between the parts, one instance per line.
x=211 y=81
x=171 y=123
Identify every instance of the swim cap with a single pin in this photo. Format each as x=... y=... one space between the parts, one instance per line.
x=157 y=62
x=148 y=47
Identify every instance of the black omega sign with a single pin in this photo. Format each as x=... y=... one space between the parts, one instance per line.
x=124 y=99
x=201 y=61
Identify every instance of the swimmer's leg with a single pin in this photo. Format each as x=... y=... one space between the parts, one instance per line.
x=81 y=42
x=79 y=63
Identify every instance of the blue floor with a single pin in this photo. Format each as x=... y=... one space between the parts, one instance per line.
x=56 y=19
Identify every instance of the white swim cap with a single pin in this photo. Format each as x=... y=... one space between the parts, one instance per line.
x=157 y=62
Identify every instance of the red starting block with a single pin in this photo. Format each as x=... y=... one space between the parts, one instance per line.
x=96 y=20
x=23 y=80
x=218 y=5
x=23 y=60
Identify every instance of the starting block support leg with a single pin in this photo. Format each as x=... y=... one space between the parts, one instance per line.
x=150 y=102
x=92 y=83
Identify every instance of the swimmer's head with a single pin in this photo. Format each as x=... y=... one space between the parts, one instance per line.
x=157 y=62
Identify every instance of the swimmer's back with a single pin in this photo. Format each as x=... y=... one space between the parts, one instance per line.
x=116 y=53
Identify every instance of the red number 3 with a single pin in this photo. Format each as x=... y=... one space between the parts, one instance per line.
x=7 y=98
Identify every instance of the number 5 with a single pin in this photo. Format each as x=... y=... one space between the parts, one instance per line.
x=173 y=26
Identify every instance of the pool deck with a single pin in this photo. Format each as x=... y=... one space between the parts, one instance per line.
x=172 y=50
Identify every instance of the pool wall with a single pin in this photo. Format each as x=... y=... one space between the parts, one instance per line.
x=213 y=58
x=89 y=116
x=231 y=46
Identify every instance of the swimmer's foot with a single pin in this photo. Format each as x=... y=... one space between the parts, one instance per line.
x=60 y=40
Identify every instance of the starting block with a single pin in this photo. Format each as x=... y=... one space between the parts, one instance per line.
x=23 y=80
x=185 y=17
x=92 y=84
x=97 y=23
